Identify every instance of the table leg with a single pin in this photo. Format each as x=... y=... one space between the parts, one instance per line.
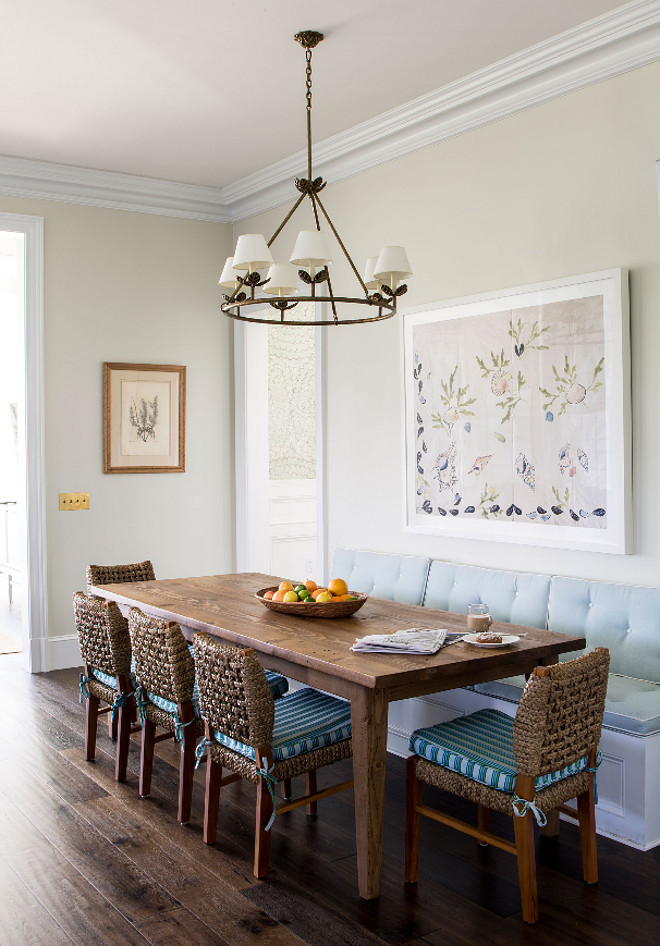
x=369 y=724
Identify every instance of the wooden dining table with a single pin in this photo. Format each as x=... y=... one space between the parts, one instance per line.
x=317 y=651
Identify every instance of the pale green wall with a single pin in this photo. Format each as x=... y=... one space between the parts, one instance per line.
x=133 y=287
x=562 y=189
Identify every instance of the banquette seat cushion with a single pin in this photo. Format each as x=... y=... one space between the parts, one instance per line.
x=395 y=577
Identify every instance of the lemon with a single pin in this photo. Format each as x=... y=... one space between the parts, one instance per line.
x=290 y=597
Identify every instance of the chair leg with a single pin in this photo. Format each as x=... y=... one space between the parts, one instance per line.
x=483 y=821
x=186 y=773
x=261 y=836
x=147 y=757
x=310 y=789
x=587 y=818
x=413 y=819
x=287 y=792
x=211 y=800
x=124 y=740
x=91 y=723
x=524 y=833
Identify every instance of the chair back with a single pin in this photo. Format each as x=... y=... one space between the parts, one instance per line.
x=560 y=714
x=163 y=663
x=234 y=696
x=109 y=574
x=105 y=643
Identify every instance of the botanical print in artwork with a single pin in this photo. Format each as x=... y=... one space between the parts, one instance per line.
x=509 y=415
x=145 y=418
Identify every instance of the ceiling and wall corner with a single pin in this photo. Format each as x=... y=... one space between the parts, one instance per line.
x=611 y=44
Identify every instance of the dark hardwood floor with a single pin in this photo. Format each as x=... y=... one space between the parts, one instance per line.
x=83 y=860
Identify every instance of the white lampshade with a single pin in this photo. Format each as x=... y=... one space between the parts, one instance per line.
x=229 y=275
x=392 y=266
x=252 y=252
x=369 y=280
x=311 y=249
x=283 y=280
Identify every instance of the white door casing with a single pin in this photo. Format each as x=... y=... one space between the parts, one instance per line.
x=35 y=615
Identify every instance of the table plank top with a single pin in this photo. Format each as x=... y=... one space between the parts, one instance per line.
x=225 y=605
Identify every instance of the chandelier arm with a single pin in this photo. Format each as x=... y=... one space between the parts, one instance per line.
x=286 y=219
x=344 y=250
x=332 y=299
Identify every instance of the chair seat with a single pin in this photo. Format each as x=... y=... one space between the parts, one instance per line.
x=480 y=747
x=304 y=720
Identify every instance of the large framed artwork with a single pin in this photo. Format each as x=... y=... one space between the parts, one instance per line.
x=517 y=415
x=144 y=418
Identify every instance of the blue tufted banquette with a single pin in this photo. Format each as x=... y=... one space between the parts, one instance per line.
x=511 y=596
x=395 y=577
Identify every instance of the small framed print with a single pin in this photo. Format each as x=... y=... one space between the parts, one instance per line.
x=144 y=418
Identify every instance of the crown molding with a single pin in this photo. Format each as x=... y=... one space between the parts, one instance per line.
x=617 y=42
x=22 y=177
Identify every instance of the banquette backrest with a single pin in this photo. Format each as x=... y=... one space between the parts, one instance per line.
x=395 y=577
x=514 y=597
x=623 y=618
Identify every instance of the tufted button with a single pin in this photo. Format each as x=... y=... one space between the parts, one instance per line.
x=516 y=594
x=629 y=630
x=591 y=604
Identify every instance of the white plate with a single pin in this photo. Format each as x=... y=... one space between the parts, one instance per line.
x=506 y=640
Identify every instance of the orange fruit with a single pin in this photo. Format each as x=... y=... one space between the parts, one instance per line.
x=269 y=594
x=311 y=585
x=286 y=586
x=346 y=598
x=338 y=586
x=279 y=595
x=323 y=597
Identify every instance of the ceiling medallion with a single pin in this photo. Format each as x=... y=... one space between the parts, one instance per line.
x=252 y=266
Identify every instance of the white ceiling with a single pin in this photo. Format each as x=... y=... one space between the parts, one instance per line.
x=209 y=91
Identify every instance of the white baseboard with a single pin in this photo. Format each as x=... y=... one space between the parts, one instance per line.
x=61 y=652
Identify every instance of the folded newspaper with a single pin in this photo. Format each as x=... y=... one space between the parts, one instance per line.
x=412 y=640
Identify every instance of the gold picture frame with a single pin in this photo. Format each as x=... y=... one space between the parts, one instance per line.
x=144 y=418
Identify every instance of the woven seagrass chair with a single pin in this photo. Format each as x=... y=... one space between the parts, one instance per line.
x=523 y=767
x=109 y=574
x=263 y=740
x=165 y=675
x=105 y=646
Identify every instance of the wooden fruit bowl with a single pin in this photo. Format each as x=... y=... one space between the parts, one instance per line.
x=329 y=609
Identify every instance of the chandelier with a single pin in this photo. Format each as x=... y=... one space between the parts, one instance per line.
x=253 y=268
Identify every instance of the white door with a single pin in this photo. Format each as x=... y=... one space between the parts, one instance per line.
x=279 y=450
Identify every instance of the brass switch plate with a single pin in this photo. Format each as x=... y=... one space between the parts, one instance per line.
x=74 y=501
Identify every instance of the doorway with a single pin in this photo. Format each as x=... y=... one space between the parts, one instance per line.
x=12 y=442
x=23 y=595
x=279 y=450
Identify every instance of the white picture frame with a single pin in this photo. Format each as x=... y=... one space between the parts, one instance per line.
x=580 y=432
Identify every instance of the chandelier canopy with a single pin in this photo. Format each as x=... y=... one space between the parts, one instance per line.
x=253 y=268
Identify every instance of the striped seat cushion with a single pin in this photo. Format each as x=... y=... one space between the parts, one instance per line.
x=108 y=680
x=480 y=746
x=304 y=720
